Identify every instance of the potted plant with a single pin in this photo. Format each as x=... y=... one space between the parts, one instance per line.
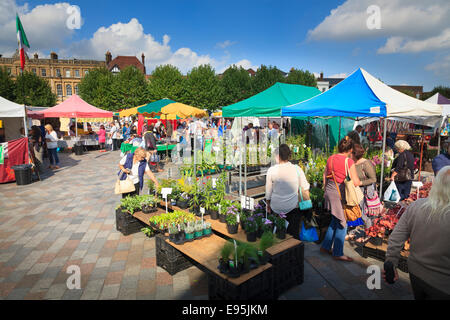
x=181 y=234
x=268 y=224
x=267 y=240
x=183 y=200
x=251 y=228
x=211 y=208
x=151 y=187
x=280 y=224
x=225 y=254
x=223 y=210
x=189 y=232
x=232 y=224
x=149 y=232
x=198 y=229
x=130 y=204
x=173 y=233
x=149 y=204
x=207 y=229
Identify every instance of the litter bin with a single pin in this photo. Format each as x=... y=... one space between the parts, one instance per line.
x=78 y=148
x=23 y=174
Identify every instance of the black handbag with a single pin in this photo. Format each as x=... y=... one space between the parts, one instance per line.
x=404 y=174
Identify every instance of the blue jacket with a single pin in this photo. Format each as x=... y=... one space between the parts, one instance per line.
x=440 y=161
x=129 y=164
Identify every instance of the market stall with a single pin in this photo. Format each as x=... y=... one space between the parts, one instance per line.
x=12 y=153
x=13 y=118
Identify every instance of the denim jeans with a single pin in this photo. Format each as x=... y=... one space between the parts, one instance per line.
x=53 y=157
x=335 y=237
x=404 y=188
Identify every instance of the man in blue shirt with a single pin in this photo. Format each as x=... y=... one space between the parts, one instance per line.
x=442 y=160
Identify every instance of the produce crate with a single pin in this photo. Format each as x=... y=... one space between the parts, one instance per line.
x=127 y=224
x=288 y=265
x=379 y=253
x=259 y=287
x=169 y=258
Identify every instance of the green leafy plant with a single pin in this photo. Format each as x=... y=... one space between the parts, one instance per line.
x=250 y=226
x=267 y=240
x=280 y=223
x=131 y=204
x=226 y=251
x=148 y=231
x=173 y=229
x=231 y=219
x=163 y=221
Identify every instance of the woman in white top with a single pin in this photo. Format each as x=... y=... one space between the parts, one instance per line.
x=52 y=144
x=282 y=189
x=135 y=165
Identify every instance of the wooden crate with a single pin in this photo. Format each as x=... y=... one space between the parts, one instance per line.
x=379 y=253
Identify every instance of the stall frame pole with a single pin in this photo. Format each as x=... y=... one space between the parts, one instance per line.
x=382 y=158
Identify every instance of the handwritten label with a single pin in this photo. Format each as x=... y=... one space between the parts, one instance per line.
x=247 y=203
x=165 y=192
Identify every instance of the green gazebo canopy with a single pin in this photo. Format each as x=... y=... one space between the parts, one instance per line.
x=268 y=103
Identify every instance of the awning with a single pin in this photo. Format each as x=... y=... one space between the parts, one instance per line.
x=129 y=112
x=75 y=107
x=153 y=109
x=9 y=109
x=182 y=111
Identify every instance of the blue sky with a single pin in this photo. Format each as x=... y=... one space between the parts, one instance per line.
x=412 y=47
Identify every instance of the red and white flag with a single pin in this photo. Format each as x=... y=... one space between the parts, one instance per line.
x=22 y=40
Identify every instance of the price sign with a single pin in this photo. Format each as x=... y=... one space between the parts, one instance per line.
x=247 y=203
x=238 y=218
x=214 y=182
x=165 y=192
x=287 y=223
x=274 y=229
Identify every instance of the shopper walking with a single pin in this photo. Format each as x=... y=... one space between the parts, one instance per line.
x=52 y=144
x=426 y=223
x=282 y=189
x=101 y=137
x=334 y=177
x=403 y=167
x=37 y=144
x=135 y=166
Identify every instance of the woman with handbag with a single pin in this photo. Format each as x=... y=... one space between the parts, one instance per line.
x=403 y=169
x=370 y=205
x=335 y=192
x=282 y=189
x=133 y=166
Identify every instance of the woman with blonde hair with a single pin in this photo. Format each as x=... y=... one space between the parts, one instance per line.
x=426 y=223
x=135 y=165
x=403 y=169
x=52 y=144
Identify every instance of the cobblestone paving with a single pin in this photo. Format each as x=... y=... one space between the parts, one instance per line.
x=68 y=218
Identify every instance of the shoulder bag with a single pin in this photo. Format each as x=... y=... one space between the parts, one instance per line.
x=353 y=195
x=124 y=186
x=404 y=174
x=352 y=213
x=305 y=202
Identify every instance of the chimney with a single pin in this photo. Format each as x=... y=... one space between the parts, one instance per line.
x=36 y=56
x=321 y=76
x=108 y=58
x=53 y=56
x=143 y=61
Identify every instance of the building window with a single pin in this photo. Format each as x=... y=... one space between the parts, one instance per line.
x=68 y=90
x=77 y=73
x=59 y=91
x=58 y=72
x=76 y=89
x=34 y=71
x=44 y=72
x=67 y=73
x=86 y=72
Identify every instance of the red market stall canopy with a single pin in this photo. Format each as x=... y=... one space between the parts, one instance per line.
x=75 y=107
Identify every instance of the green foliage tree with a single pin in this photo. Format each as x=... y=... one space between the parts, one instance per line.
x=237 y=85
x=202 y=88
x=96 y=89
x=445 y=91
x=129 y=89
x=408 y=92
x=32 y=90
x=266 y=77
x=305 y=78
x=166 y=82
x=7 y=85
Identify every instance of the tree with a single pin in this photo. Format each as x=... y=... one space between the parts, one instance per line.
x=408 y=92
x=129 y=89
x=7 y=85
x=305 y=78
x=445 y=91
x=202 y=88
x=266 y=77
x=32 y=90
x=166 y=82
x=237 y=85
x=96 y=89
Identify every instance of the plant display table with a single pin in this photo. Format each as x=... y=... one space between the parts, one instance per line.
x=379 y=253
x=128 y=147
x=129 y=224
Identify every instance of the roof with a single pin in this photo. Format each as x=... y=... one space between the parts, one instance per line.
x=409 y=88
x=75 y=107
x=362 y=95
x=331 y=81
x=268 y=103
x=124 y=61
x=9 y=109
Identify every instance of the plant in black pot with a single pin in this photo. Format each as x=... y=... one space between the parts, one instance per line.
x=195 y=201
x=183 y=200
x=267 y=240
x=211 y=208
x=232 y=223
x=280 y=224
x=131 y=204
x=181 y=237
x=173 y=233
x=225 y=254
x=268 y=224
x=251 y=228
x=149 y=203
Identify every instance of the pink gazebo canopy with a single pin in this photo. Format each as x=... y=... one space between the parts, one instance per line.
x=75 y=107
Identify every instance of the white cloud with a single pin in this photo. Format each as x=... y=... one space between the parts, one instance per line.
x=410 y=26
x=338 y=75
x=225 y=44
x=244 y=63
x=45 y=26
x=441 y=67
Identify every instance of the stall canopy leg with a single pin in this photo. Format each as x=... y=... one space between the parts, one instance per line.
x=382 y=157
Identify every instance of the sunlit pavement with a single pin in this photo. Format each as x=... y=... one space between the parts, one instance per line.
x=68 y=218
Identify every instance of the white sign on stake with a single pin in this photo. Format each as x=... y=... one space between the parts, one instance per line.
x=274 y=229
x=165 y=192
x=247 y=203
x=214 y=182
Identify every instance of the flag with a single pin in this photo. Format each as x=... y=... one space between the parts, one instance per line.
x=22 y=40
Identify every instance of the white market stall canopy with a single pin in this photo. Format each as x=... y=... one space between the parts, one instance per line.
x=13 y=118
x=362 y=95
x=443 y=101
x=9 y=109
